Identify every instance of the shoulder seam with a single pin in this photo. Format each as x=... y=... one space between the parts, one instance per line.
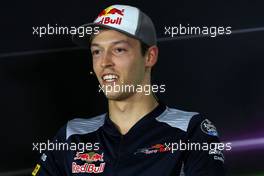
x=176 y=118
x=84 y=125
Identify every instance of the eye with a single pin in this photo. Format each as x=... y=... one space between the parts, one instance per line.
x=95 y=52
x=119 y=50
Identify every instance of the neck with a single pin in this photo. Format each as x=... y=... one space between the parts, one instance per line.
x=126 y=113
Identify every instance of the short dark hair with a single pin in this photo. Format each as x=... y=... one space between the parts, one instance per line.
x=144 y=48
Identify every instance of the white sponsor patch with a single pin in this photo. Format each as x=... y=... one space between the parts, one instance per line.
x=208 y=128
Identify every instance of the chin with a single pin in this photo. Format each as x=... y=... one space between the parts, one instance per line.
x=118 y=96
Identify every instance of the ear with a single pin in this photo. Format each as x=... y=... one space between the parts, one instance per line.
x=151 y=56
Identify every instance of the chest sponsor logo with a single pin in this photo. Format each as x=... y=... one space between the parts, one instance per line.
x=157 y=148
x=89 y=157
x=94 y=163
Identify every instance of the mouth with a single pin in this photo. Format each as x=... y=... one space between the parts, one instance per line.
x=109 y=78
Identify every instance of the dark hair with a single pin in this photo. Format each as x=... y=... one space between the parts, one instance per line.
x=144 y=48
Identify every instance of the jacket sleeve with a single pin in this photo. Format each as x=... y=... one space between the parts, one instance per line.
x=52 y=162
x=206 y=159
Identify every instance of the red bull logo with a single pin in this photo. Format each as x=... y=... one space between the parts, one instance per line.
x=111 y=11
x=107 y=19
x=87 y=168
x=89 y=157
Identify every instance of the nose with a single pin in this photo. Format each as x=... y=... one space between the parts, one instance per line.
x=107 y=60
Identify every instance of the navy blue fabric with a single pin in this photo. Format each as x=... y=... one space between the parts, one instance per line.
x=131 y=154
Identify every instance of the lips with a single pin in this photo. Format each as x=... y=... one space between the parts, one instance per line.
x=109 y=77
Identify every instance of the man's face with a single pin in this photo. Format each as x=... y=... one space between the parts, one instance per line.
x=117 y=61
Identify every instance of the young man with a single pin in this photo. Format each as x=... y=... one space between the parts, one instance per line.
x=138 y=135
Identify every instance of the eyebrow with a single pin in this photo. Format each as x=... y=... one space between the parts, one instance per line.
x=113 y=43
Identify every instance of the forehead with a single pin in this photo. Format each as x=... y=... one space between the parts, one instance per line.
x=106 y=36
